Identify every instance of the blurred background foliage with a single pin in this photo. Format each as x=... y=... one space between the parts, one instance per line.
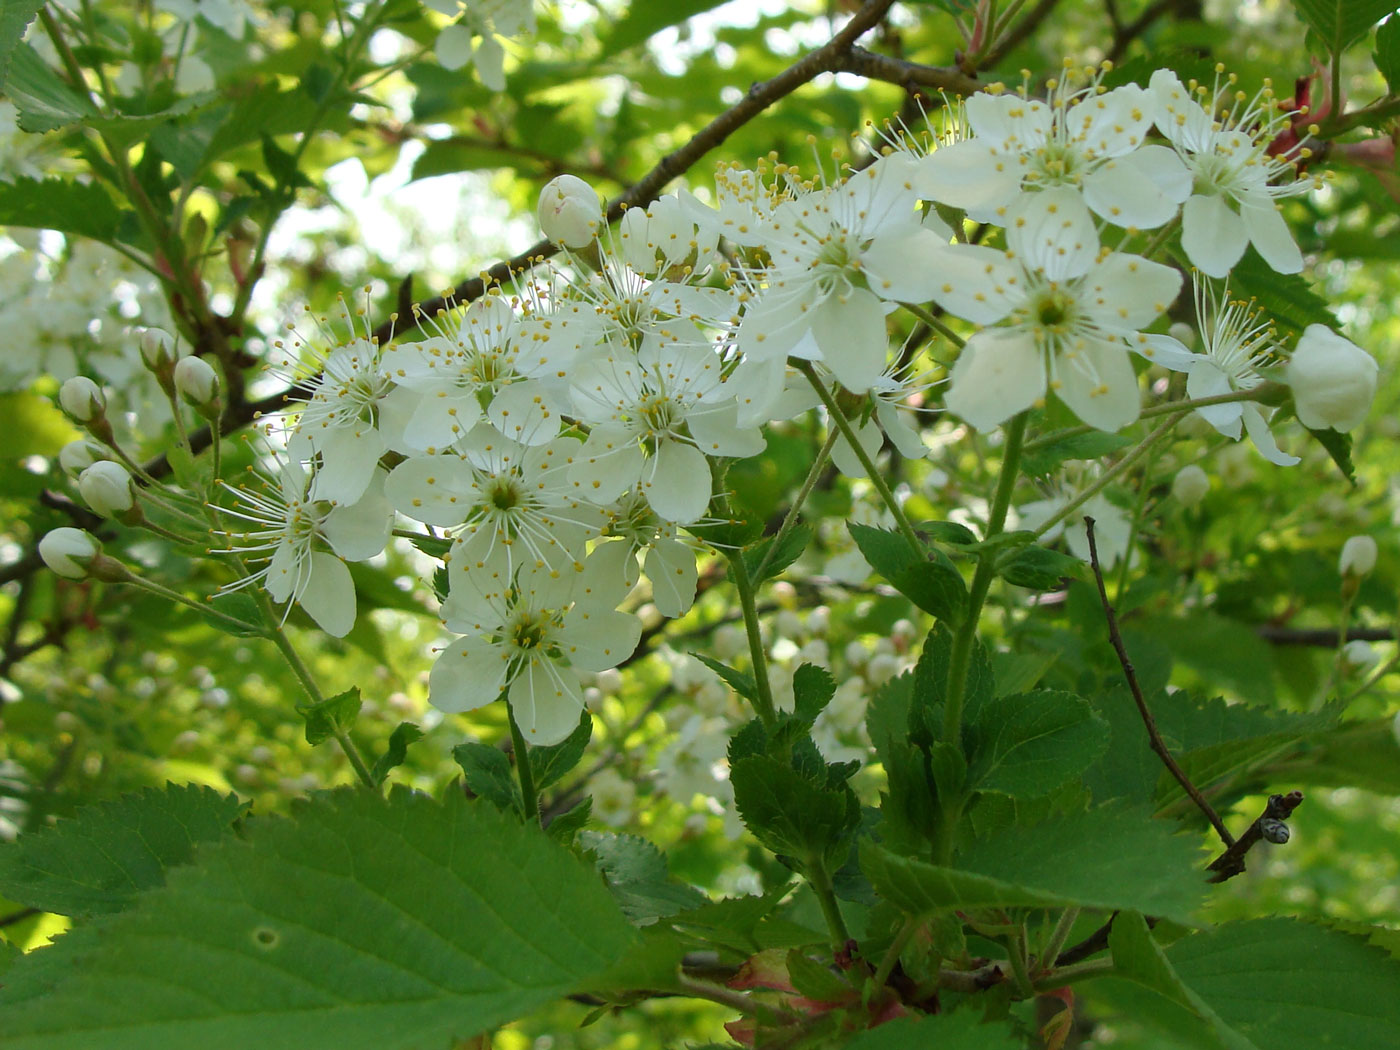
x=429 y=177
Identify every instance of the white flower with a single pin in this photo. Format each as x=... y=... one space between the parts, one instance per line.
x=1236 y=343
x=106 y=487
x=570 y=212
x=661 y=236
x=67 y=551
x=487 y=20
x=76 y=456
x=531 y=639
x=296 y=528
x=669 y=562
x=1359 y=655
x=613 y=797
x=1333 y=380
x=1113 y=527
x=1236 y=181
x=1084 y=138
x=837 y=256
x=1065 y=314
x=1358 y=556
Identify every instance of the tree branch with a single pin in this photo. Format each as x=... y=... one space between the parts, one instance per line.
x=1268 y=825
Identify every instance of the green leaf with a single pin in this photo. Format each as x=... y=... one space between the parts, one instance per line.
x=403 y=735
x=1109 y=857
x=1338 y=446
x=1340 y=23
x=548 y=764
x=565 y=827
x=642 y=20
x=794 y=543
x=961 y=1030
x=398 y=923
x=740 y=682
x=1037 y=567
x=325 y=717
x=1387 y=54
x=812 y=689
x=1028 y=744
x=108 y=853
x=1283 y=984
x=44 y=101
x=58 y=204
x=1287 y=299
x=936 y=587
x=790 y=814
x=1045 y=459
x=949 y=532
x=639 y=877
x=729 y=923
x=887 y=551
x=241 y=607
x=489 y=775
x=15 y=16
x=1362 y=755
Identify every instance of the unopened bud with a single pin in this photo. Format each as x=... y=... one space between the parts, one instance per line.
x=68 y=551
x=1182 y=332
x=1359 y=655
x=106 y=488
x=570 y=212
x=197 y=382
x=1190 y=485
x=1358 y=556
x=1333 y=380
x=157 y=349
x=82 y=399
x=76 y=456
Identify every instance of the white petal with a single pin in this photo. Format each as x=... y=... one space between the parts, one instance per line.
x=980 y=284
x=348 y=458
x=1263 y=439
x=608 y=576
x=970 y=175
x=547 y=702
x=776 y=323
x=490 y=63
x=329 y=596
x=362 y=529
x=1127 y=292
x=1000 y=372
x=1053 y=232
x=454 y=46
x=851 y=334
x=1009 y=119
x=1095 y=379
x=670 y=567
x=468 y=674
x=607 y=465
x=1110 y=124
x=1143 y=189
x=717 y=433
x=521 y=412
x=900 y=429
x=677 y=482
x=1271 y=235
x=1212 y=235
x=436 y=490
x=870 y=437
x=599 y=640
x=1205 y=379
x=906 y=267
x=286 y=572
x=1165 y=351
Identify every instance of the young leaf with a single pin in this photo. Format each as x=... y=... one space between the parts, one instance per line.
x=1028 y=744
x=1340 y=23
x=1045 y=459
x=936 y=587
x=740 y=682
x=812 y=687
x=1387 y=54
x=887 y=551
x=403 y=735
x=108 y=853
x=964 y=1029
x=794 y=543
x=238 y=606
x=640 y=880
x=1037 y=568
x=396 y=923
x=489 y=775
x=550 y=763
x=60 y=204
x=325 y=717
x=44 y=101
x=564 y=827
x=15 y=16
x=1338 y=446
x=1109 y=857
x=790 y=814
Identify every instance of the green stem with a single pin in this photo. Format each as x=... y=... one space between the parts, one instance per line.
x=1070 y=974
x=763 y=694
x=936 y=323
x=1020 y=967
x=522 y=768
x=1058 y=936
x=808 y=483
x=820 y=882
x=1161 y=238
x=848 y=432
x=1056 y=436
x=891 y=957
x=1109 y=476
x=180 y=599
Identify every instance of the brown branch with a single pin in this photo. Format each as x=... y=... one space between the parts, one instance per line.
x=1019 y=32
x=1268 y=825
x=1325 y=637
x=1153 y=735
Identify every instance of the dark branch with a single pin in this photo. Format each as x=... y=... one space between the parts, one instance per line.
x=1268 y=825
x=1153 y=735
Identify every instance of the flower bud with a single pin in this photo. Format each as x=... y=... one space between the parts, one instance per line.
x=1359 y=655
x=1183 y=333
x=106 y=487
x=1358 y=556
x=157 y=349
x=1190 y=485
x=196 y=381
x=76 y=456
x=68 y=551
x=1333 y=380
x=82 y=399
x=570 y=212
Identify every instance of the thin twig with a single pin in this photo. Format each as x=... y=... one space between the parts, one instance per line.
x=1147 y=720
x=1278 y=809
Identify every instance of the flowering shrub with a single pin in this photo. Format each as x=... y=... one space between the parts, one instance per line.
x=706 y=443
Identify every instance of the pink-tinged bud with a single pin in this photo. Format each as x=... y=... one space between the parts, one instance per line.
x=82 y=399
x=570 y=212
x=69 y=552
x=1333 y=380
x=157 y=349
x=107 y=489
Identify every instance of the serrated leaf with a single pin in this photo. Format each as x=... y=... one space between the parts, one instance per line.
x=325 y=717
x=396 y=751
x=1109 y=857
x=794 y=543
x=1045 y=459
x=44 y=101
x=489 y=775
x=740 y=682
x=1338 y=446
x=731 y=922
x=108 y=853
x=887 y=551
x=812 y=689
x=950 y=532
x=639 y=877
x=432 y=546
x=936 y=588
x=814 y=980
x=549 y=763
x=1286 y=298
x=1028 y=744
x=790 y=814
x=241 y=608
x=564 y=827
x=1283 y=984
x=1387 y=54
x=1037 y=568
x=1340 y=23
x=964 y=1029
x=60 y=204
x=1361 y=755
x=401 y=924
x=15 y=16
